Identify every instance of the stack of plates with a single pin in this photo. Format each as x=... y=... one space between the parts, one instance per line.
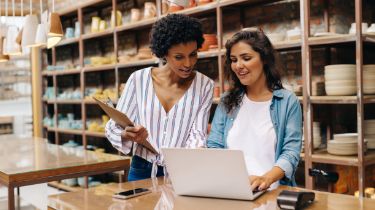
x=369 y=130
x=344 y=144
x=316 y=136
x=369 y=79
x=340 y=79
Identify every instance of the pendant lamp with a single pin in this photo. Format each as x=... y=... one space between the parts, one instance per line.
x=30 y=28
x=41 y=33
x=3 y=57
x=55 y=31
x=12 y=48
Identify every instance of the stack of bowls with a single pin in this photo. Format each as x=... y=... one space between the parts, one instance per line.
x=317 y=138
x=340 y=79
x=344 y=144
x=369 y=79
x=369 y=130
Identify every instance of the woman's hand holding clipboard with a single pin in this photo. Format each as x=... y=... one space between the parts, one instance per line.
x=123 y=120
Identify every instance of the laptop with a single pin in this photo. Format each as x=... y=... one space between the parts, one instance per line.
x=218 y=173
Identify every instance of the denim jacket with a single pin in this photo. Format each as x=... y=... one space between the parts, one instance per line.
x=286 y=117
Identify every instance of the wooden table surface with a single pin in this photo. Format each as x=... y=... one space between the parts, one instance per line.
x=163 y=198
x=26 y=161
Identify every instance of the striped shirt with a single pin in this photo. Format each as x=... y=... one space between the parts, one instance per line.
x=184 y=126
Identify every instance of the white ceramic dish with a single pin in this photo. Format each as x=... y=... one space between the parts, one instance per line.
x=341 y=91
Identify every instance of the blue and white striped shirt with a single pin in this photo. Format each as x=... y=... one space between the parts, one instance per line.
x=185 y=125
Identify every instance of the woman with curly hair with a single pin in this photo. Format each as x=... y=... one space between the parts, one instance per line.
x=170 y=105
x=257 y=115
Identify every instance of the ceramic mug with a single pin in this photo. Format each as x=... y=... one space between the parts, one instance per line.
x=69 y=33
x=77 y=29
x=150 y=10
x=102 y=25
x=95 y=21
x=135 y=15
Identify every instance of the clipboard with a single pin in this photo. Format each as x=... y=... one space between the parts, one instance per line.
x=122 y=120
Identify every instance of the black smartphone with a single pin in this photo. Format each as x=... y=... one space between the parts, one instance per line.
x=131 y=193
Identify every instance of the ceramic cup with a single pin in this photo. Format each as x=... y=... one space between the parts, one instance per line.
x=371 y=29
x=69 y=33
x=352 y=29
x=135 y=15
x=77 y=29
x=95 y=21
x=150 y=10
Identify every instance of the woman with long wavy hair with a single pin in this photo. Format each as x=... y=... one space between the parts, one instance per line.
x=258 y=116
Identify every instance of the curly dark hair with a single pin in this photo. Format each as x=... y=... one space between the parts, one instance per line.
x=174 y=29
x=261 y=44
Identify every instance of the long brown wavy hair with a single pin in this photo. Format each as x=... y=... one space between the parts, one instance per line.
x=261 y=44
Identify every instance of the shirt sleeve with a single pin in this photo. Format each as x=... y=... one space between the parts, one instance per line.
x=128 y=105
x=290 y=152
x=198 y=132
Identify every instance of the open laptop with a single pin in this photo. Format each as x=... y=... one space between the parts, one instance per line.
x=219 y=173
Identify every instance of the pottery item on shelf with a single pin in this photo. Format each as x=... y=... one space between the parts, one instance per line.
x=371 y=29
x=150 y=10
x=102 y=25
x=352 y=29
x=164 y=6
x=144 y=53
x=70 y=182
x=294 y=34
x=209 y=39
x=192 y=3
x=276 y=37
x=175 y=7
x=77 y=29
x=69 y=32
x=182 y=3
x=135 y=15
x=118 y=19
x=213 y=47
x=202 y=2
x=95 y=21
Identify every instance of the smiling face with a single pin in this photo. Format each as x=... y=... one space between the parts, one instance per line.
x=247 y=65
x=181 y=58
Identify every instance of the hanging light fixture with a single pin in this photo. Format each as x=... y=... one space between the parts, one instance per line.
x=19 y=36
x=41 y=34
x=3 y=57
x=55 y=31
x=12 y=48
x=30 y=28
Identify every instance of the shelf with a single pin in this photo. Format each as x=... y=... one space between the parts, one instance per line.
x=69 y=131
x=61 y=72
x=138 y=63
x=99 y=68
x=210 y=54
x=135 y=25
x=49 y=101
x=68 y=41
x=287 y=45
x=68 y=101
x=322 y=156
x=50 y=129
x=224 y=3
x=198 y=9
x=341 y=99
x=64 y=187
x=98 y=34
x=339 y=39
x=94 y=134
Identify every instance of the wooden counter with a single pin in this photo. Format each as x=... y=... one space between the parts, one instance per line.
x=163 y=198
x=27 y=161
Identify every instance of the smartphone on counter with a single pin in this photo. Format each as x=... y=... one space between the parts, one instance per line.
x=131 y=193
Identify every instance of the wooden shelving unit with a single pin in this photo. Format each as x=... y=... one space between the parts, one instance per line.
x=219 y=10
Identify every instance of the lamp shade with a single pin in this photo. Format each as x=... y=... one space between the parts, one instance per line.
x=3 y=58
x=55 y=31
x=12 y=48
x=19 y=37
x=29 y=30
x=55 y=27
x=41 y=36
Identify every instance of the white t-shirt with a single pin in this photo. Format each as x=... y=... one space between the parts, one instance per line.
x=254 y=134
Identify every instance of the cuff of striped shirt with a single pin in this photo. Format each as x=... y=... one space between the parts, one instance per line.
x=113 y=134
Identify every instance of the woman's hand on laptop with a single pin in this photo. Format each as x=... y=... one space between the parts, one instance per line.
x=265 y=181
x=260 y=182
x=137 y=133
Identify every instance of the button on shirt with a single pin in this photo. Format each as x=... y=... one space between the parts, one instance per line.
x=185 y=125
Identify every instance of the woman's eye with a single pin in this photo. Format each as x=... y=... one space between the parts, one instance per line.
x=178 y=57
x=247 y=58
x=233 y=61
